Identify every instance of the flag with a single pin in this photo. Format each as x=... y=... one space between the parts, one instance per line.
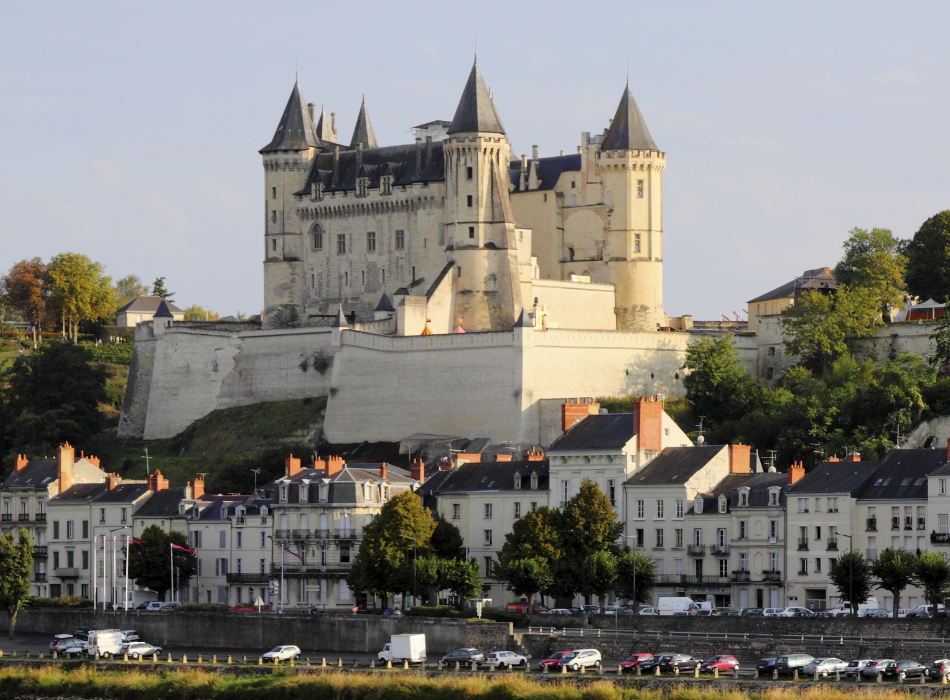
x=183 y=549
x=287 y=549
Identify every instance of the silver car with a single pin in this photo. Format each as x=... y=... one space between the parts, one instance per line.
x=876 y=667
x=855 y=667
x=825 y=667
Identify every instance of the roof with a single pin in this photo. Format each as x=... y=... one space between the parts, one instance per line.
x=384 y=304
x=128 y=492
x=397 y=162
x=123 y=493
x=628 y=130
x=38 y=473
x=345 y=486
x=820 y=278
x=324 y=129
x=488 y=476
x=209 y=507
x=758 y=485
x=163 y=504
x=295 y=132
x=340 y=320
x=602 y=432
x=363 y=132
x=675 y=465
x=163 y=310
x=148 y=305
x=548 y=171
x=476 y=111
x=902 y=474
x=836 y=477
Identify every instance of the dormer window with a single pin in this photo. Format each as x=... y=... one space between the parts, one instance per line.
x=362 y=183
x=283 y=493
x=386 y=184
x=263 y=512
x=303 y=494
x=744 y=497
x=698 y=505
x=195 y=512
x=181 y=509
x=324 y=489
x=224 y=512
x=722 y=504
x=385 y=492
x=517 y=481
x=316 y=191
x=368 y=493
x=534 y=481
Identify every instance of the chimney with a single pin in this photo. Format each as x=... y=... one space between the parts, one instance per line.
x=445 y=465
x=157 y=482
x=333 y=124
x=534 y=153
x=532 y=176
x=523 y=178
x=65 y=456
x=359 y=159
x=22 y=461
x=648 y=423
x=112 y=480
x=189 y=493
x=382 y=470
x=468 y=457
x=311 y=107
x=502 y=458
x=335 y=466
x=336 y=165
x=535 y=455
x=853 y=457
x=573 y=411
x=428 y=151
x=418 y=471
x=291 y=465
x=740 y=459
x=419 y=158
x=93 y=460
x=795 y=472
x=199 y=488
x=834 y=458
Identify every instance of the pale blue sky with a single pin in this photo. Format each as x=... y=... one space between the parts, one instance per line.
x=129 y=131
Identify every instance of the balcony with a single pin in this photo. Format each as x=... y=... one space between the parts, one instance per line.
x=895 y=523
x=40 y=551
x=298 y=570
x=940 y=538
x=741 y=576
x=719 y=549
x=319 y=534
x=832 y=544
x=249 y=578
x=696 y=550
x=68 y=572
x=6 y=518
x=23 y=517
x=803 y=544
x=871 y=525
x=39 y=577
x=691 y=580
x=921 y=523
x=41 y=517
x=772 y=576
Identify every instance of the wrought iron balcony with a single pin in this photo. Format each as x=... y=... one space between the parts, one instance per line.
x=249 y=578
x=67 y=572
x=871 y=525
x=696 y=550
x=719 y=549
x=940 y=538
x=741 y=576
x=832 y=544
x=40 y=577
x=772 y=576
x=41 y=517
x=40 y=551
x=24 y=517
x=6 y=518
x=803 y=543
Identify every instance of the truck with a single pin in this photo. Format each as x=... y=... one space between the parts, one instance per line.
x=843 y=608
x=107 y=643
x=672 y=605
x=405 y=647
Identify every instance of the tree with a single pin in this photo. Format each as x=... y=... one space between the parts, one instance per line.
x=197 y=313
x=26 y=288
x=535 y=536
x=128 y=289
x=940 y=360
x=820 y=325
x=79 y=291
x=158 y=289
x=630 y=562
x=932 y=573
x=872 y=260
x=598 y=574
x=150 y=561
x=894 y=569
x=717 y=384
x=16 y=570
x=435 y=574
x=526 y=576
x=587 y=524
x=928 y=259
x=851 y=575
x=463 y=577
x=446 y=540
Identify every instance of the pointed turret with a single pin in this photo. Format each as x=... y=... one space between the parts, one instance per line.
x=324 y=129
x=163 y=311
x=340 y=320
x=295 y=131
x=363 y=133
x=476 y=111
x=628 y=130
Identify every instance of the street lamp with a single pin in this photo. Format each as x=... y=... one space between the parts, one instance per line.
x=280 y=593
x=850 y=570
x=105 y=568
x=636 y=546
x=414 y=543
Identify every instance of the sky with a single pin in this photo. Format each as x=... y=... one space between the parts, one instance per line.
x=129 y=131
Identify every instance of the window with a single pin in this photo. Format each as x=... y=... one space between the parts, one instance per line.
x=943 y=521
x=488 y=567
x=222 y=539
x=273 y=191
x=743 y=529
x=517 y=510
x=679 y=508
x=639 y=188
x=818 y=532
x=370 y=241
x=70 y=559
x=469 y=200
x=659 y=539
x=85 y=529
x=612 y=491
x=817 y=566
x=69 y=529
x=400 y=240
x=743 y=562
x=85 y=559
x=943 y=487
x=263 y=540
x=773 y=529
x=817 y=505
x=679 y=538
x=534 y=482
x=802 y=505
x=471 y=232
x=773 y=561
x=323 y=555
x=802 y=567
x=456 y=511
x=832 y=505
x=240 y=539
x=743 y=498
x=640 y=508
x=124 y=515
x=722 y=504
x=639 y=538
x=698 y=537
x=573 y=184
x=659 y=509
x=341 y=243
x=517 y=482
x=723 y=568
x=488 y=538
x=565 y=491
x=773 y=498
x=636 y=243
x=273 y=220
x=55 y=560
x=469 y=172
x=345 y=554
x=488 y=511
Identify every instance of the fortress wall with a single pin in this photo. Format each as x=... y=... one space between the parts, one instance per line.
x=574 y=304
x=138 y=388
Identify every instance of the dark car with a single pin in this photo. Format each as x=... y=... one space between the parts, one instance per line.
x=940 y=667
x=765 y=665
x=392 y=613
x=635 y=660
x=786 y=665
x=83 y=632
x=909 y=669
x=879 y=666
x=681 y=661
x=651 y=664
x=465 y=657
x=751 y=612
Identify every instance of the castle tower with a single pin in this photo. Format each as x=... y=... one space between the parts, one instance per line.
x=286 y=162
x=631 y=168
x=363 y=132
x=479 y=224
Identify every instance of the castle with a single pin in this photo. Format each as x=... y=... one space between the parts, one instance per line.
x=443 y=287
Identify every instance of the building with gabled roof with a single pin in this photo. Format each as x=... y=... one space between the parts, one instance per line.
x=144 y=308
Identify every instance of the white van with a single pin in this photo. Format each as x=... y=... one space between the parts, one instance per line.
x=107 y=643
x=929 y=609
x=672 y=605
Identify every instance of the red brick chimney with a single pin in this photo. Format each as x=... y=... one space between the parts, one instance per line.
x=740 y=459
x=112 y=480
x=468 y=457
x=503 y=458
x=22 y=461
x=198 y=490
x=648 y=423
x=795 y=472
x=157 y=482
x=834 y=458
x=291 y=465
x=65 y=456
x=382 y=470
x=535 y=455
x=853 y=457
x=335 y=466
x=574 y=411
x=446 y=465
x=319 y=463
x=418 y=470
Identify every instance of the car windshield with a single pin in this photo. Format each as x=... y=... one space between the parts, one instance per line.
x=570 y=655
x=275 y=650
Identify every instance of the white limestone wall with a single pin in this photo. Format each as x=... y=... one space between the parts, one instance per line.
x=574 y=305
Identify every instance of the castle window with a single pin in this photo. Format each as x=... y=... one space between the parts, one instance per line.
x=273 y=244
x=470 y=199
x=770 y=373
x=545 y=197
x=273 y=193
x=273 y=216
x=639 y=188
x=636 y=243
x=363 y=274
x=471 y=232
x=413 y=273
x=371 y=242
x=570 y=254
x=341 y=243
x=468 y=172
x=441 y=234
x=346 y=279
x=573 y=184
x=383 y=273
x=317 y=237
x=400 y=240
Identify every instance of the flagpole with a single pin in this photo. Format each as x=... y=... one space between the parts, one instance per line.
x=282 y=592
x=127 y=545
x=171 y=558
x=95 y=574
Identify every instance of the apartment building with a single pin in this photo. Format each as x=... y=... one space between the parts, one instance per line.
x=221 y=546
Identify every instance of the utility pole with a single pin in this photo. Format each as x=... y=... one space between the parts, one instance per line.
x=146 y=462
x=256 y=471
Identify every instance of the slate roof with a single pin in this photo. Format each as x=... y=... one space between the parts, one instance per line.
x=384 y=304
x=476 y=111
x=209 y=507
x=902 y=474
x=38 y=473
x=123 y=493
x=99 y=493
x=758 y=485
x=148 y=305
x=603 y=432
x=548 y=170
x=345 y=485
x=488 y=476
x=323 y=129
x=675 y=465
x=399 y=162
x=295 y=131
x=163 y=310
x=836 y=477
x=628 y=130
x=820 y=278
x=163 y=504
x=363 y=131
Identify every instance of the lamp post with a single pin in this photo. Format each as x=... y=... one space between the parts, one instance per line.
x=636 y=546
x=280 y=593
x=414 y=543
x=105 y=567
x=850 y=570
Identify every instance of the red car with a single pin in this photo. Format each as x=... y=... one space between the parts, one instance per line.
x=551 y=661
x=723 y=663
x=635 y=660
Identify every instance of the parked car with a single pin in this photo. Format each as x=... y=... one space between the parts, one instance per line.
x=83 y=632
x=131 y=635
x=794 y=612
x=504 y=659
x=581 y=657
x=825 y=666
x=765 y=665
x=878 y=666
x=785 y=665
x=392 y=613
x=137 y=650
x=77 y=650
x=857 y=666
x=720 y=663
x=553 y=659
x=617 y=610
x=681 y=661
x=61 y=642
x=906 y=669
x=558 y=611
x=751 y=612
x=940 y=667
x=649 y=666
x=701 y=613
x=772 y=612
x=724 y=611
x=282 y=653
x=525 y=607
x=590 y=609
x=648 y=610
x=873 y=612
x=465 y=657
x=635 y=660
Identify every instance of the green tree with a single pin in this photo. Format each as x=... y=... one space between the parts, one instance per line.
x=820 y=325
x=16 y=570
x=894 y=570
x=128 y=289
x=932 y=574
x=446 y=541
x=851 y=575
x=159 y=290
x=526 y=576
x=598 y=575
x=940 y=360
x=587 y=524
x=198 y=313
x=25 y=287
x=150 y=561
x=872 y=260
x=928 y=259
x=717 y=384
x=463 y=577
x=535 y=536
x=79 y=290
x=635 y=564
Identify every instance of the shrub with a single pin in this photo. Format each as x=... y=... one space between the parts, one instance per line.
x=204 y=607
x=66 y=601
x=437 y=611
x=113 y=353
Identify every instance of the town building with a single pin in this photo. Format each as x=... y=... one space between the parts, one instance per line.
x=142 y=309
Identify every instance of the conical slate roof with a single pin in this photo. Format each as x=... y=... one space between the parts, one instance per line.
x=295 y=131
x=523 y=320
x=363 y=133
x=384 y=304
x=324 y=129
x=163 y=311
x=628 y=131
x=476 y=111
x=340 y=320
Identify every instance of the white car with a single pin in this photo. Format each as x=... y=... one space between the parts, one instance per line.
x=131 y=635
x=794 y=612
x=855 y=667
x=77 y=650
x=62 y=642
x=558 y=611
x=581 y=657
x=825 y=666
x=504 y=659
x=284 y=653
x=140 y=650
x=773 y=612
x=649 y=610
